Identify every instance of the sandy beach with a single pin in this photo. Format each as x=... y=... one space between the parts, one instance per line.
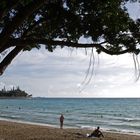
x=20 y=131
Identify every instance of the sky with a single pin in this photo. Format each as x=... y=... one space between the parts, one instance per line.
x=63 y=73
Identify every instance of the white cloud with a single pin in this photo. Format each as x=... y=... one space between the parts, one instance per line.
x=2 y=85
x=134 y=9
x=59 y=74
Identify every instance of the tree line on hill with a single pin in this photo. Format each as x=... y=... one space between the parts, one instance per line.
x=14 y=92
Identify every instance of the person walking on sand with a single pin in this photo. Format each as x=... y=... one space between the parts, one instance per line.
x=61 y=121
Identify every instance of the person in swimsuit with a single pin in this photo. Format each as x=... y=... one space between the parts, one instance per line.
x=61 y=121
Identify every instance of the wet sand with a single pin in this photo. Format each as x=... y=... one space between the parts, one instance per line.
x=20 y=131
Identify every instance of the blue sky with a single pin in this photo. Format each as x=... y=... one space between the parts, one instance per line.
x=62 y=73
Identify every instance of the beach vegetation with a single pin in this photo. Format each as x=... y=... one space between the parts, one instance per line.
x=14 y=93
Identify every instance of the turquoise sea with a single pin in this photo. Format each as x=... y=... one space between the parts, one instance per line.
x=120 y=115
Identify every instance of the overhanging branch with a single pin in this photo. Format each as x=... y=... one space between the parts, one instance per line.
x=8 y=59
x=98 y=46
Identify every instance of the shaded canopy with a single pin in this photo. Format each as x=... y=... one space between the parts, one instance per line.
x=27 y=24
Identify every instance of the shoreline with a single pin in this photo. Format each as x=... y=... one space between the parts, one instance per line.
x=66 y=127
x=106 y=130
x=15 y=130
x=79 y=113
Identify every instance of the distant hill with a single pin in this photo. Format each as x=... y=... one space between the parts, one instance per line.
x=14 y=93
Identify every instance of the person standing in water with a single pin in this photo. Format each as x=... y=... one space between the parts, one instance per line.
x=61 y=121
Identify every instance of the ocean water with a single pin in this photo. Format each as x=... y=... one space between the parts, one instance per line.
x=120 y=115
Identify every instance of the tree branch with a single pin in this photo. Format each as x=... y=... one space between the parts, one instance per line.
x=8 y=59
x=98 y=46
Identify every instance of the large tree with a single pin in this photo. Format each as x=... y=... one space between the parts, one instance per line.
x=27 y=24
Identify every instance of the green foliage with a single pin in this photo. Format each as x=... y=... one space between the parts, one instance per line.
x=34 y=22
x=101 y=20
x=13 y=93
